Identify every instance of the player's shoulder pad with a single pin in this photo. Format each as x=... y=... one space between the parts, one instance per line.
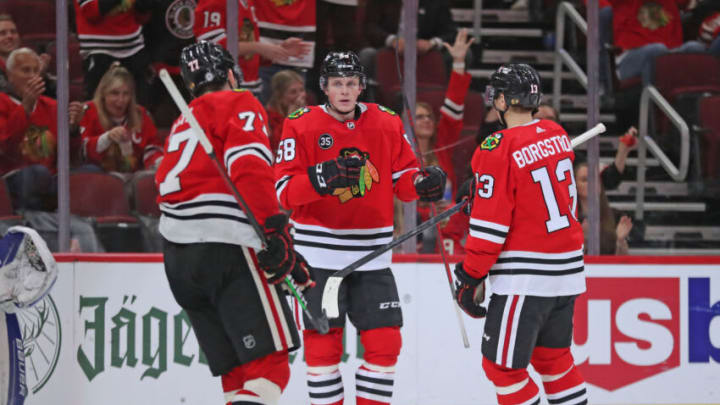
x=298 y=113
x=385 y=109
x=492 y=142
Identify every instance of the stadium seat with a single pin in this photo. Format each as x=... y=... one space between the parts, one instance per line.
x=144 y=195
x=709 y=108
x=76 y=63
x=682 y=73
x=101 y=197
x=430 y=73
x=7 y=215
x=32 y=17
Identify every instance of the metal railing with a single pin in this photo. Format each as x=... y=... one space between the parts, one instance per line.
x=677 y=173
x=562 y=56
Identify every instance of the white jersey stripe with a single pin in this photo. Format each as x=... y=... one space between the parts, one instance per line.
x=260 y=285
x=396 y=175
x=514 y=330
x=358 y=231
x=491 y=225
x=450 y=113
x=486 y=236
x=503 y=328
x=539 y=255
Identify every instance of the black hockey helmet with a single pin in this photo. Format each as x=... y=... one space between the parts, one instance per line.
x=342 y=64
x=205 y=63
x=520 y=84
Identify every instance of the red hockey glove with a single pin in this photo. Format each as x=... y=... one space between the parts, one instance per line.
x=466 y=191
x=470 y=292
x=279 y=259
x=430 y=183
x=339 y=173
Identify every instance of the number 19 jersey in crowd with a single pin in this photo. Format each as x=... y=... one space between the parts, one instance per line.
x=523 y=226
x=196 y=205
x=334 y=230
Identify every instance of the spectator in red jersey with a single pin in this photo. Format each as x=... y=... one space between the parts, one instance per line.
x=28 y=145
x=288 y=94
x=109 y=31
x=644 y=30
x=118 y=134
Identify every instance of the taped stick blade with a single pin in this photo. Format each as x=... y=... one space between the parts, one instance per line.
x=330 y=297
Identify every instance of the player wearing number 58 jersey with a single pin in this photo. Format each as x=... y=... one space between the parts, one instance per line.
x=524 y=235
x=338 y=167
x=227 y=286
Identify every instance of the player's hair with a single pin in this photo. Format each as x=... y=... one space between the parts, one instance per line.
x=279 y=85
x=117 y=73
x=12 y=58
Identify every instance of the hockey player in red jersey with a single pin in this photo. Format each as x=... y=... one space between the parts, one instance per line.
x=337 y=167
x=228 y=288
x=525 y=236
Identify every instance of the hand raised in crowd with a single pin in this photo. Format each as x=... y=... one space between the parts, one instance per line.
x=34 y=87
x=272 y=52
x=296 y=47
x=119 y=134
x=623 y=228
x=75 y=112
x=627 y=142
x=459 y=49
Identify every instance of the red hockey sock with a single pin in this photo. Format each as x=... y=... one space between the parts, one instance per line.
x=512 y=386
x=562 y=381
x=323 y=354
x=260 y=381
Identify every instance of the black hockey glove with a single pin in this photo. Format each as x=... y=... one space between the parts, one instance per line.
x=466 y=191
x=470 y=292
x=430 y=183
x=279 y=259
x=339 y=173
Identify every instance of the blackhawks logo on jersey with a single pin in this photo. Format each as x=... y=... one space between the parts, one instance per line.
x=387 y=110
x=491 y=142
x=368 y=176
x=298 y=113
x=280 y=3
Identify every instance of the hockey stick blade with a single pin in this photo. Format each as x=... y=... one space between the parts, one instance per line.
x=587 y=135
x=320 y=323
x=332 y=286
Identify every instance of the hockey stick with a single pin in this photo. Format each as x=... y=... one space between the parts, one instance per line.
x=320 y=323
x=332 y=287
x=441 y=248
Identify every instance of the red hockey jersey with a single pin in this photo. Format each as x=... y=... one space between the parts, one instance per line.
x=282 y=19
x=523 y=227
x=334 y=230
x=29 y=140
x=116 y=32
x=196 y=204
x=210 y=25
x=99 y=149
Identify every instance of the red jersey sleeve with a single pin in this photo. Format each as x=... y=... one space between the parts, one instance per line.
x=492 y=209
x=90 y=9
x=451 y=122
x=292 y=184
x=152 y=148
x=247 y=158
x=404 y=163
x=210 y=22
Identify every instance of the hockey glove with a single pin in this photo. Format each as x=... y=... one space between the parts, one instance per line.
x=339 y=173
x=466 y=191
x=470 y=292
x=430 y=183
x=279 y=259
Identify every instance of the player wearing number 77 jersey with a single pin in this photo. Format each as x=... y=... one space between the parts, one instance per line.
x=227 y=286
x=525 y=236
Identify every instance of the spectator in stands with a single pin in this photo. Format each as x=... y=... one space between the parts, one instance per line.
x=10 y=41
x=703 y=21
x=546 y=112
x=644 y=30
x=109 y=31
x=436 y=137
x=613 y=236
x=383 y=27
x=118 y=134
x=288 y=94
x=28 y=144
x=292 y=25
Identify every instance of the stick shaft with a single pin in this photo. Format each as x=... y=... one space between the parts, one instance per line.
x=585 y=136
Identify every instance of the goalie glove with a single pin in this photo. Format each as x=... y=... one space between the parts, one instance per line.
x=27 y=268
x=339 y=173
x=279 y=259
x=470 y=292
x=430 y=183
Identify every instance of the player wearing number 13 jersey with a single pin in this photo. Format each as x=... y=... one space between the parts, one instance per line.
x=525 y=236
x=227 y=286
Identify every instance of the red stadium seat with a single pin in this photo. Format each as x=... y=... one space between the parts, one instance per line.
x=430 y=73
x=31 y=16
x=101 y=197
x=678 y=73
x=145 y=196
x=75 y=60
x=710 y=121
